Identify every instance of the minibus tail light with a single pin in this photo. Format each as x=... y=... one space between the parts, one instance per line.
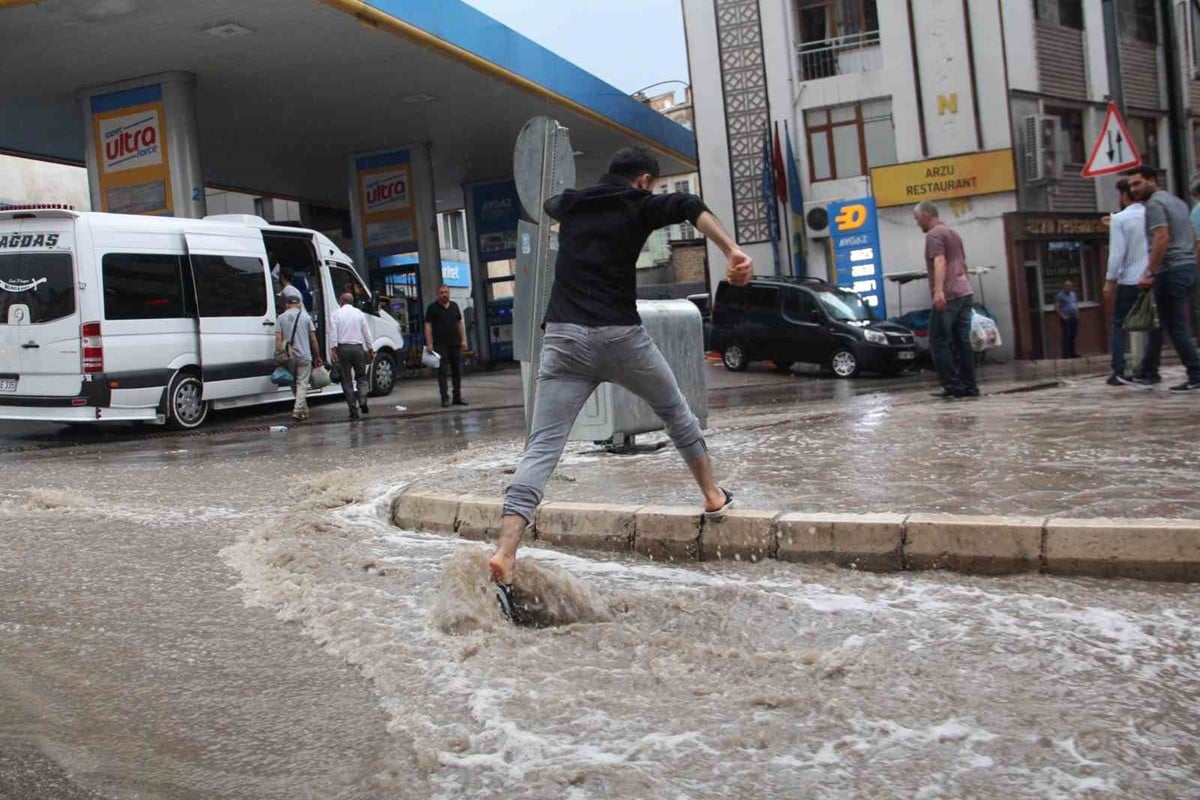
x=92 y=348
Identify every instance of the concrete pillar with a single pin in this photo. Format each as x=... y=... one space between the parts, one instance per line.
x=392 y=211
x=143 y=153
x=493 y=210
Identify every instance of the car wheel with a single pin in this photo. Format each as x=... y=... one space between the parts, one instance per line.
x=735 y=357
x=383 y=375
x=844 y=363
x=186 y=406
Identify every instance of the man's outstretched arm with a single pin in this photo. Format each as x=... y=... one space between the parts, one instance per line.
x=739 y=267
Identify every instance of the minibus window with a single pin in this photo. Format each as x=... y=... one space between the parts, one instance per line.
x=229 y=286
x=43 y=282
x=143 y=286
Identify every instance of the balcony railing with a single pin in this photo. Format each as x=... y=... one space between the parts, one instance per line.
x=842 y=55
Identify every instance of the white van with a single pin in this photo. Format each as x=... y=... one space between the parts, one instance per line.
x=120 y=317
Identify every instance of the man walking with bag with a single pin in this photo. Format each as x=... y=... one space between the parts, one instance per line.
x=1127 y=255
x=296 y=336
x=446 y=336
x=350 y=347
x=1171 y=273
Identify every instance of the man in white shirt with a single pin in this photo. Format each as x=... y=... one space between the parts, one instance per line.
x=1127 y=257
x=350 y=348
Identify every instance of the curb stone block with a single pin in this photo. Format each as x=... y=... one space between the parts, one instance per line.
x=743 y=535
x=587 y=525
x=871 y=542
x=479 y=519
x=666 y=533
x=985 y=545
x=1148 y=549
x=426 y=511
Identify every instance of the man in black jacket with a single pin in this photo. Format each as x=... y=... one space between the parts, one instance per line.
x=593 y=332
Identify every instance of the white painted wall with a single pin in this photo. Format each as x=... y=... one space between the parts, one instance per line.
x=25 y=180
x=1019 y=36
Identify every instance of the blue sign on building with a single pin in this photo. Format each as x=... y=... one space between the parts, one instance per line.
x=496 y=212
x=854 y=228
x=455 y=274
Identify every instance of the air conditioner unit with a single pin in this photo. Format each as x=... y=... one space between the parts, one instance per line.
x=1040 y=148
x=816 y=219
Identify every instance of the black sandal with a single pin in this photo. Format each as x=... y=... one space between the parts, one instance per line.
x=504 y=596
x=719 y=514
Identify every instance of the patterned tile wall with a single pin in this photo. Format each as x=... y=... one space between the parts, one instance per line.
x=747 y=116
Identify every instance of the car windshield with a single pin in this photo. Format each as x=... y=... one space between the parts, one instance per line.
x=845 y=306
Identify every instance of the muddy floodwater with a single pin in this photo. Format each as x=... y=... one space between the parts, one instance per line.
x=223 y=617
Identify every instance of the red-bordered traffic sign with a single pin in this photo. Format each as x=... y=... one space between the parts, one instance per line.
x=1114 y=150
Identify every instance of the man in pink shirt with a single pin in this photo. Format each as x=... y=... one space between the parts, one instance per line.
x=950 y=320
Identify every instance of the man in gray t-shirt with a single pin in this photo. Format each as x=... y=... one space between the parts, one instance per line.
x=296 y=327
x=1171 y=272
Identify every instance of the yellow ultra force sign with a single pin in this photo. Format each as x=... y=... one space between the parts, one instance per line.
x=944 y=178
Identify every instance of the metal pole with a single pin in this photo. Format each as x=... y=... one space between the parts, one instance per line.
x=1176 y=117
x=1112 y=46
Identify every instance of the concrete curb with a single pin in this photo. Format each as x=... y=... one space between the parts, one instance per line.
x=1146 y=549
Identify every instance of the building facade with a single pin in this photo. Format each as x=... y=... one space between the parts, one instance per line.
x=987 y=107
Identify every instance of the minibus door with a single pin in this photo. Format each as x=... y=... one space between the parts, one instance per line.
x=236 y=311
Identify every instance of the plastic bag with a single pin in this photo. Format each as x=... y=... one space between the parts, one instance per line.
x=282 y=376
x=431 y=359
x=1144 y=314
x=984 y=333
x=320 y=377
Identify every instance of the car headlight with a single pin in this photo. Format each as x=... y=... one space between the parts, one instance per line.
x=875 y=337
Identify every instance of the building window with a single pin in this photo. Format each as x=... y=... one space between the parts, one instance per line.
x=1067 y=13
x=1137 y=19
x=1144 y=131
x=682 y=187
x=846 y=141
x=453 y=234
x=837 y=37
x=1070 y=134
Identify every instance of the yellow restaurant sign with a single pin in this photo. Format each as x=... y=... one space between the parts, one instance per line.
x=944 y=178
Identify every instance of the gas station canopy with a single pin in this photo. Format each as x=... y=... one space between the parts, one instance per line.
x=286 y=90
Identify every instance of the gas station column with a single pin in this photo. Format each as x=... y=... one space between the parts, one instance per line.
x=143 y=154
x=393 y=211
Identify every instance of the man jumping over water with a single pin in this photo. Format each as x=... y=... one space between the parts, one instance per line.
x=593 y=332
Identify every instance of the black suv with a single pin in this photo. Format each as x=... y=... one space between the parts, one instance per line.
x=786 y=320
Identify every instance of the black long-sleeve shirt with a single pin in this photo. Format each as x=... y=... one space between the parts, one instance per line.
x=602 y=231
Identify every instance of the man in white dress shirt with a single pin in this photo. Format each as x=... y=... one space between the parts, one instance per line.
x=350 y=347
x=1127 y=257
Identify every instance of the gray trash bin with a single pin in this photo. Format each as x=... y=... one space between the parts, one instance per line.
x=613 y=413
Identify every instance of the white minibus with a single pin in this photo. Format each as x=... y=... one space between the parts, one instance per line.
x=109 y=317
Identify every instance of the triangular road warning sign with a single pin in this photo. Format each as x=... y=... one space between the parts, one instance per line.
x=1114 y=150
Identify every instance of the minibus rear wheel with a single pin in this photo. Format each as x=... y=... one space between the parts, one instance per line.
x=186 y=408
x=383 y=374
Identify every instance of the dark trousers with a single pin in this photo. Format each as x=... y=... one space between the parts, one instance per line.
x=1070 y=329
x=452 y=364
x=1126 y=297
x=1173 y=295
x=352 y=363
x=950 y=346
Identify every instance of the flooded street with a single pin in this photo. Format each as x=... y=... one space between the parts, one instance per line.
x=234 y=616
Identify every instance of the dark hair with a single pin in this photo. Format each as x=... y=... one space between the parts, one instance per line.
x=1123 y=185
x=1149 y=173
x=632 y=163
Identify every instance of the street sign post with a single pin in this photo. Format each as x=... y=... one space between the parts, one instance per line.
x=1114 y=150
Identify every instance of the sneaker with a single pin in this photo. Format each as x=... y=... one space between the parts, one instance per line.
x=1116 y=380
x=1186 y=386
x=364 y=408
x=458 y=401
x=445 y=402
x=1142 y=382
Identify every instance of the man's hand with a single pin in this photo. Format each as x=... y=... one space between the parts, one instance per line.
x=317 y=363
x=1147 y=280
x=939 y=300
x=333 y=356
x=1108 y=290
x=740 y=267
x=370 y=355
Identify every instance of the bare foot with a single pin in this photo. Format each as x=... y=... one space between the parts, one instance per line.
x=502 y=567
x=715 y=500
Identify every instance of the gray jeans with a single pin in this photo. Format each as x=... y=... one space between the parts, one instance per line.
x=575 y=360
x=352 y=363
